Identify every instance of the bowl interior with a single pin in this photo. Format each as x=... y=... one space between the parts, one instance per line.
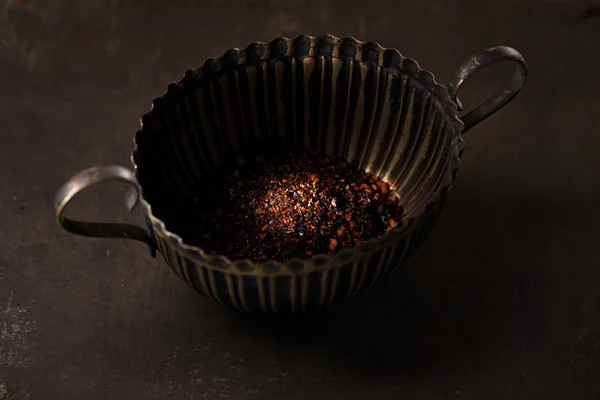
x=345 y=100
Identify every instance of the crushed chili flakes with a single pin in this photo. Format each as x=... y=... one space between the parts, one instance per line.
x=290 y=205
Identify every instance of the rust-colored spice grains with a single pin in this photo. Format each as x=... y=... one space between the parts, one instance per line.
x=291 y=205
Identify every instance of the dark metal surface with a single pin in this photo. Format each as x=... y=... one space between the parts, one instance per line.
x=502 y=302
x=499 y=100
x=90 y=177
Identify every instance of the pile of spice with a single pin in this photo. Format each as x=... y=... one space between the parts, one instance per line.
x=291 y=205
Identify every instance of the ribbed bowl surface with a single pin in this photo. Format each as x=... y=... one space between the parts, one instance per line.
x=339 y=96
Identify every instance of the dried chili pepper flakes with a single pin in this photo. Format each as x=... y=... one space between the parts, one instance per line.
x=290 y=205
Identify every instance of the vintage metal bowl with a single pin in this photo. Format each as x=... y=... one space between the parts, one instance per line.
x=357 y=100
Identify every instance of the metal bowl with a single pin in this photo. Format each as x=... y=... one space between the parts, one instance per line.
x=343 y=97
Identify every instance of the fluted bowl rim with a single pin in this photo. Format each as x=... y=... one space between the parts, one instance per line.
x=246 y=56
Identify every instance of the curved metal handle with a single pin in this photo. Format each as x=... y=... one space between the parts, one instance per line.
x=496 y=102
x=90 y=177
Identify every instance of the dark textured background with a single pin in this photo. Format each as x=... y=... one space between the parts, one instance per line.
x=502 y=302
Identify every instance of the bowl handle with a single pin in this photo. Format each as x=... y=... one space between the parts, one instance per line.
x=499 y=100
x=90 y=177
